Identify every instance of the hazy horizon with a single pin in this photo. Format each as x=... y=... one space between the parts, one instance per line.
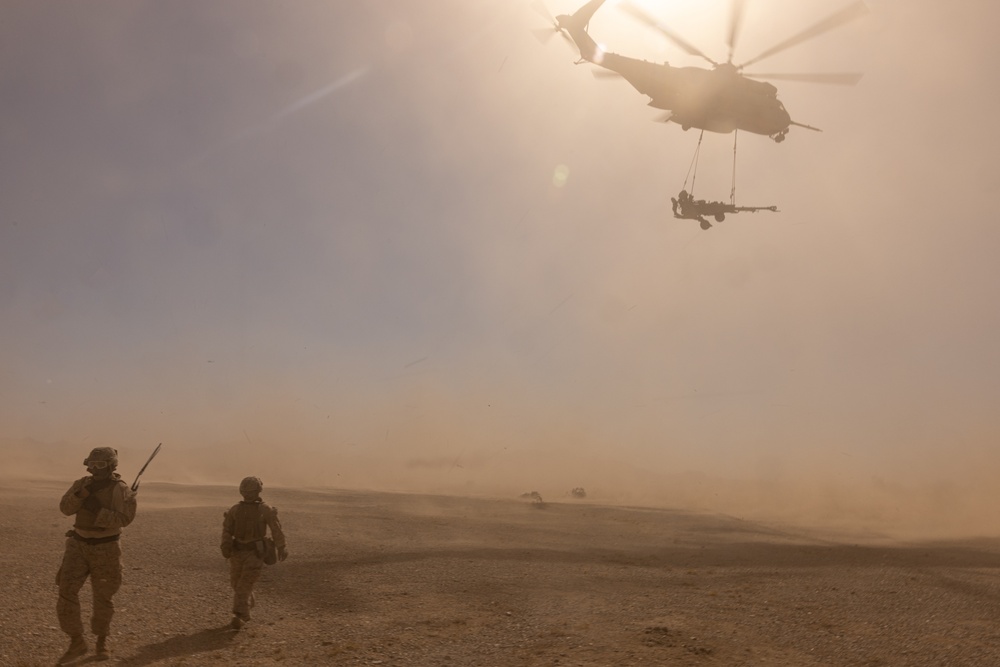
x=407 y=246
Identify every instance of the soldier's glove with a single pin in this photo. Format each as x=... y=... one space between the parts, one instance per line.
x=81 y=487
x=227 y=551
x=92 y=504
x=282 y=554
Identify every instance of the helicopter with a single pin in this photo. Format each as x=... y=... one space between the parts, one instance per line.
x=721 y=99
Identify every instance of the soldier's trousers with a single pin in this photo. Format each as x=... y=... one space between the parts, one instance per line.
x=244 y=571
x=103 y=564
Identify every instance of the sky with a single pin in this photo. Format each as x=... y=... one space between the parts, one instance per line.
x=407 y=245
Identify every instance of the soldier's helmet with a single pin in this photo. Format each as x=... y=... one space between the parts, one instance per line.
x=251 y=486
x=101 y=457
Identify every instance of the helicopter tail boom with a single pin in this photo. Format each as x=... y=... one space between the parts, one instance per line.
x=575 y=25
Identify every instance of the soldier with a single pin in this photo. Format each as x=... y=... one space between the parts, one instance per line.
x=689 y=208
x=244 y=533
x=103 y=505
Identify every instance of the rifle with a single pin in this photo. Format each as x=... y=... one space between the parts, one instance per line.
x=135 y=484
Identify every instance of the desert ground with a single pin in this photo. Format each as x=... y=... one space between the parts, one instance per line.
x=398 y=579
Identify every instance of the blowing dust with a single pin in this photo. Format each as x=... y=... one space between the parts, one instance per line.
x=869 y=508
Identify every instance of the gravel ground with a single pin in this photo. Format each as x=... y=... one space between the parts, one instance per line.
x=392 y=579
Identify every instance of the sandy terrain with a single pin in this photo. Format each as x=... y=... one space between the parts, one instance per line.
x=384 y=579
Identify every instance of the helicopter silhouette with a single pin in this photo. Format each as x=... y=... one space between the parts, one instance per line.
x=721 y=99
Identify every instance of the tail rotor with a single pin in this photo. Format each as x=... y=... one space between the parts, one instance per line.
x=544 y=35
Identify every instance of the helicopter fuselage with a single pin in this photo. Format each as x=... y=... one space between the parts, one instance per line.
x=715 y=100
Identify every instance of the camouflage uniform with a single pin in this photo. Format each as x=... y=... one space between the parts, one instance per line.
x=103 y=505
x=244 y=527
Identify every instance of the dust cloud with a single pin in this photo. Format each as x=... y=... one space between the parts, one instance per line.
x=866 y=508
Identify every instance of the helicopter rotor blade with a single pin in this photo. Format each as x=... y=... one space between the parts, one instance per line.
x=643 y=17
x=837 y=78
x=835 y=20
x=544 y=35
x=543 y=11
x=735 y=22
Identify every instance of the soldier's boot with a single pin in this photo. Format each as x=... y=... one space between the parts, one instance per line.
x=77 y=647
x=236 y=623
x=101 y=650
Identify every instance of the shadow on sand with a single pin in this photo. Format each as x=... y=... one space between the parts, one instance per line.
x=212 y=639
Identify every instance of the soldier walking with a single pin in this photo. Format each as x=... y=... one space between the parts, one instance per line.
x=103 y=505
x=245 y=543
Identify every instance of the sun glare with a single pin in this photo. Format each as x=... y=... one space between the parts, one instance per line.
x=679 y=29
x=560 y=175
x=700 y=23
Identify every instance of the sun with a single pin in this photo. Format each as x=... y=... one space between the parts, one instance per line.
x=689 y=32
x=701 y=23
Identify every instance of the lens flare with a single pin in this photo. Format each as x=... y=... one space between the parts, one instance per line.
x=560 y=175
